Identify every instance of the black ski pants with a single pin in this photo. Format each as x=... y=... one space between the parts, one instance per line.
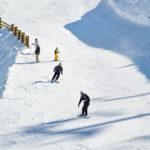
x=85 y=109
x=56 y=76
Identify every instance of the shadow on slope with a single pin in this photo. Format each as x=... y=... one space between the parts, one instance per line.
x=103 y=28
x=8 y=51
x=103 y=99
x=54 y=132
x=143 y=139
x=136 y=143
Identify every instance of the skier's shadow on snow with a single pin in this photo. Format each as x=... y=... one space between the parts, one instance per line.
x=27 y=54
x=38 y=82
x=28 y=63
x=126 y=66
x=103 y=28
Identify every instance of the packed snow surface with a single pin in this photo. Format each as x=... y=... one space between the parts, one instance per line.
x=104 y=49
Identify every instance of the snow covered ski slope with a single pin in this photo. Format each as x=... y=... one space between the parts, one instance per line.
x=104 y=51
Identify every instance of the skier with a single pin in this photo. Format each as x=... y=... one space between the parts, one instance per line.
x=37 y=49
x=58 y=69
x=56 y=54
x=84 y=97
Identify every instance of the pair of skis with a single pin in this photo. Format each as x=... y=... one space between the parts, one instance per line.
x=54 y=81
x=85 y=117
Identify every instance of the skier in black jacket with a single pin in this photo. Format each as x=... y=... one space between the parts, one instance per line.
x=84 y=97
x=58 y=69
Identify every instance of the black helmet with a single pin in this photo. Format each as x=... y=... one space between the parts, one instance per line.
x=81 y=92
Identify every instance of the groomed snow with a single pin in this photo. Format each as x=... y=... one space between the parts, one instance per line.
x=36 y=114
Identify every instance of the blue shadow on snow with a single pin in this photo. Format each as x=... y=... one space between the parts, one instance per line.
x=52 y=129
x=8 y=52
x=103 y=28
x=103 y=99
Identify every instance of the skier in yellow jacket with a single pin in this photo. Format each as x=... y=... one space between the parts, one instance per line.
x=56 y=54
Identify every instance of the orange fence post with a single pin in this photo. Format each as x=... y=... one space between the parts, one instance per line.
x=23 y=37
x=12 y=27
x=19 y=34
x=27 y=41
x=16 y=31
x=0 y=23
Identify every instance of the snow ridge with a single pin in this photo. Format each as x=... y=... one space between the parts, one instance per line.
x=103 y=54
x=8 y=49
x=134 y=10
